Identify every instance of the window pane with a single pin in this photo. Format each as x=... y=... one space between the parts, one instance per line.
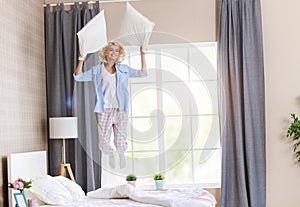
x=177 y=133
x=176 y=98
x=204 y=97
x=211 y=53
x=134 y=59
x=206 y=132
x=174 y=64
x=111 y=179
x=179 y=167
x=115 y=176
x=143 y=181
x=203 y=63
x=146 y=163
x=143 y=100
x=145 y=136
x=151 y=68
x=207 y=167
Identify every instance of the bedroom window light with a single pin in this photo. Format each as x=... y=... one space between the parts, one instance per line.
x=173 y=119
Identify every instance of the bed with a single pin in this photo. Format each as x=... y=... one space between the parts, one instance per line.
x=58 y=191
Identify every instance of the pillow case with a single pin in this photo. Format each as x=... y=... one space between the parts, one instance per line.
x=28 y=194
x=74 y=189
x=56 y=190
x=92 y=37
x=135 y=28
x=50 y=191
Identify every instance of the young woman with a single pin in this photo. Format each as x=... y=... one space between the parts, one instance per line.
x=110 y=78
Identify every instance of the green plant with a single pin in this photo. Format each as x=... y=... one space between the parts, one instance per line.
x=294 y=133
x=131 y=177
x=158 y=176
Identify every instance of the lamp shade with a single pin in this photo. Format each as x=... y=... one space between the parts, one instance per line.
x=63 y=127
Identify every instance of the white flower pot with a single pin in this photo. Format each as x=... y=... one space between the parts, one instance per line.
x=159 y=184
x=133 y=183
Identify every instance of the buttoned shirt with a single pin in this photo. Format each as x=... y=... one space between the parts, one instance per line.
x=123 y=73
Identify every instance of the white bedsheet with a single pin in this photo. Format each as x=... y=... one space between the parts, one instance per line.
x=169 y=198
x=90 y=202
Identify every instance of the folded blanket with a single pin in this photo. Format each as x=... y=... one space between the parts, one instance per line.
x=169 y=198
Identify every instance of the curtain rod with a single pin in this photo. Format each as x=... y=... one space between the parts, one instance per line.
x=89 y=2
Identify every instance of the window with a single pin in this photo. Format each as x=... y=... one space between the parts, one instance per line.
x=173 y=119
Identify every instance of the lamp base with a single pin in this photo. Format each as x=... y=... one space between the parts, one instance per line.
x=63 y=168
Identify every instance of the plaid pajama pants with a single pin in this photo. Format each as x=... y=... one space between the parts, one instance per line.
x=116 y=120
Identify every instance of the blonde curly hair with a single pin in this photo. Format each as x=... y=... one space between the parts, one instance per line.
x=109 y=44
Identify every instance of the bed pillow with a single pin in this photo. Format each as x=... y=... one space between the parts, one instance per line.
x=135 y=28
x=92 y=37
x=74 y=189
x=50 y=191
x=29 y=194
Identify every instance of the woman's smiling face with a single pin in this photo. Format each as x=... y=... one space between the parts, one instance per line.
x=112 y=53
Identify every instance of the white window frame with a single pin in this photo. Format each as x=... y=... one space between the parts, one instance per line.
x=132 y=51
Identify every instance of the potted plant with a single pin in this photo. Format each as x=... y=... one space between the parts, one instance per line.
x=159 y=181
x=294 y=133
x=20 y=185
x=131 y=179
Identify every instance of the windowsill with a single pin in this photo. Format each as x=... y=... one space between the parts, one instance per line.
x=174 y=186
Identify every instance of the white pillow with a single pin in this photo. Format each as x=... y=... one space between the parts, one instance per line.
x=74 y=189
x=135 y=29
x=29 y=194
x=92 y=37
x=50 y=191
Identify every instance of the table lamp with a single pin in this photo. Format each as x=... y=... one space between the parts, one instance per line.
x=63 y=128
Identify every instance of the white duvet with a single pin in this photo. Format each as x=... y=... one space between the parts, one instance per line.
x=90 y=202
x=169 y=198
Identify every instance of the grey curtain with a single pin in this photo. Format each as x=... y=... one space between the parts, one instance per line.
x=242 y=103
x=67 y=98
